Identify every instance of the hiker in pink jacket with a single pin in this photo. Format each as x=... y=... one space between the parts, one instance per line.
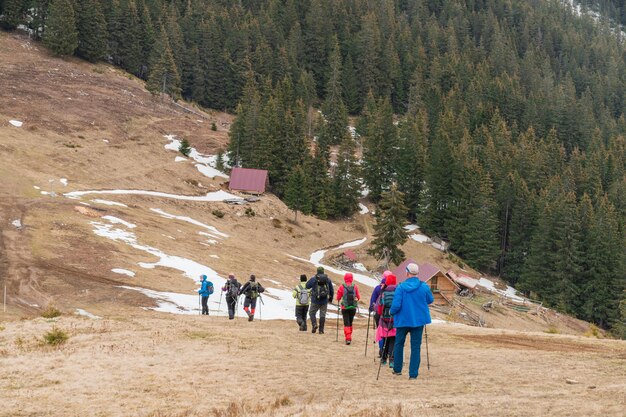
x=385 y=331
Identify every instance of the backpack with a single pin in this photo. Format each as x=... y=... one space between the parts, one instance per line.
x=349 y=296
x=253 y=290
x=321 y=288
x=233 y=289
x=385 y=300
x=210 y=288
x=303 y=295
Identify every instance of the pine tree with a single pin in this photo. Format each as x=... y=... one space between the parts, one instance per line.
x=128 y=38
x=13 y=11
x=296 y=193
x=345 y=179
x=389 y=228
x=92 y=30
x=243 y=132
x=412 y=156
x=163 y=77
x=61 y=36
x=335 y=114
x=350 y=86
x=185 y=147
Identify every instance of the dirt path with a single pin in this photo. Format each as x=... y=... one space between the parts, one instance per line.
x=142 y=365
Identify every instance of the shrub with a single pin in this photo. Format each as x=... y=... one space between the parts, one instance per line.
x=249 y=212
x=213 y=126
x=593 y=331
x=55 y=337
x=51 y=312
x=552 y=330
x=218 y=213
x=2 y=328
x=276 y=223
x=184 y=147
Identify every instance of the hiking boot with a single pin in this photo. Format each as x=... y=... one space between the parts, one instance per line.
x=397 y=373
x=321 y=331
x=391 y=364
x=384 y=362
x=412 y=377
x=250 y=317
x=314 y=329
x=348 y=342
x=304 y=327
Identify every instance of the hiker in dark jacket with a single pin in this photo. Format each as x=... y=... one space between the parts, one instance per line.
x=410 y=315
x=206 y=289
x=321 y=294
x=252 y=290
x=303 y=298
x=232 y=293
x=348 y=295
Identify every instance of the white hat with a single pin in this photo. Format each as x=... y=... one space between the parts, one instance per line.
x=412 y=269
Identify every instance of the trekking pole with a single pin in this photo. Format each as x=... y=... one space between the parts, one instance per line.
x=380 y=362
x=427 y=356
x=260 y=309
x=199 y=304
x=338 y=311
x=219 y=306
x=367 y=334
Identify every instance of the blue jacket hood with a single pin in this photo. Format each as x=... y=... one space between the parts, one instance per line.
x=411 y=285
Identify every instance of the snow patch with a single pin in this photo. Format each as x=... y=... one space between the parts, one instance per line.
x=123 y=272
x=116 y=220
x=360 y=267
x=36 y=188
x=363 y=209
x=17 y=223
x=209 y=197
x=108 y=203
x=214 y=232
x=16 y=123
x=411 y=227
x=63 y=181
x=180 y=159
x=317 y=256
x=85 y=313
x=420 y=238
x=205 y=163
x=510 y=292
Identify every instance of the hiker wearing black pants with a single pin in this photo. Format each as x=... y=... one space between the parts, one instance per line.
x=321 y=294
x=252 y=290
x=303 y=298
x=348 y=295
x=232 y=292
x=206 y=289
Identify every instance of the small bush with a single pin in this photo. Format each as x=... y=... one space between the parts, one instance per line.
x=552 y=330
x=213 y=127
x=593 y=331
x=249 y=212
x=98 y=70
x=55 y=337
x=184 y=147
x=51 y=312
x=218 y=213
x=276 y=223
x=2 y=328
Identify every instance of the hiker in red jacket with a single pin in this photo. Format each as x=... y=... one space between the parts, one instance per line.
x=348 y=295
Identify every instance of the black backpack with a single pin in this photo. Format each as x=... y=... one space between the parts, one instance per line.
x=321 y=288
x=233 y=289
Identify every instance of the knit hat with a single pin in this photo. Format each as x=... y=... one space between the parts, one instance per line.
x=348 y=278
x=412 y=269
x=391 y=280
x=303 y=278
x=386 y=273
x=252 y=278
x=320 y=269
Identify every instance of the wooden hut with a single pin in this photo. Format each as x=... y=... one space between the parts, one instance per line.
x=442 y=287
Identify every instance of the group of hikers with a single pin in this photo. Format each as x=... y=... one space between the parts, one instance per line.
x=399 y=309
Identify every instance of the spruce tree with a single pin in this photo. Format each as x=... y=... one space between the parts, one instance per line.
x=92 y=30
x=13 y=11
x=296 y=193
x=389 y=233
x=61 y=36
x=335 y=115
x=163 y=77
x=345 y=179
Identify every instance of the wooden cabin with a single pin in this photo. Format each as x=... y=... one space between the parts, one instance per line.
x=442 y=287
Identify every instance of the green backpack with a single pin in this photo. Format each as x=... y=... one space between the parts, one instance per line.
x=349 y=297
x=253 y=290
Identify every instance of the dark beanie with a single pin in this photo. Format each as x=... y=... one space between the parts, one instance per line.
x=303 y=278
x=320 y=269
x=252 y=278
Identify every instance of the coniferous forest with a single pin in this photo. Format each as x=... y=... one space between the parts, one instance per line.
x=502 y=122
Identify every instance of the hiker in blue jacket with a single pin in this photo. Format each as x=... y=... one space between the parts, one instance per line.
x=206 y=289
x=410 y=315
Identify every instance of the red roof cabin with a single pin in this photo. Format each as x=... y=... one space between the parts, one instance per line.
x=248 y=180
x=440 y=284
